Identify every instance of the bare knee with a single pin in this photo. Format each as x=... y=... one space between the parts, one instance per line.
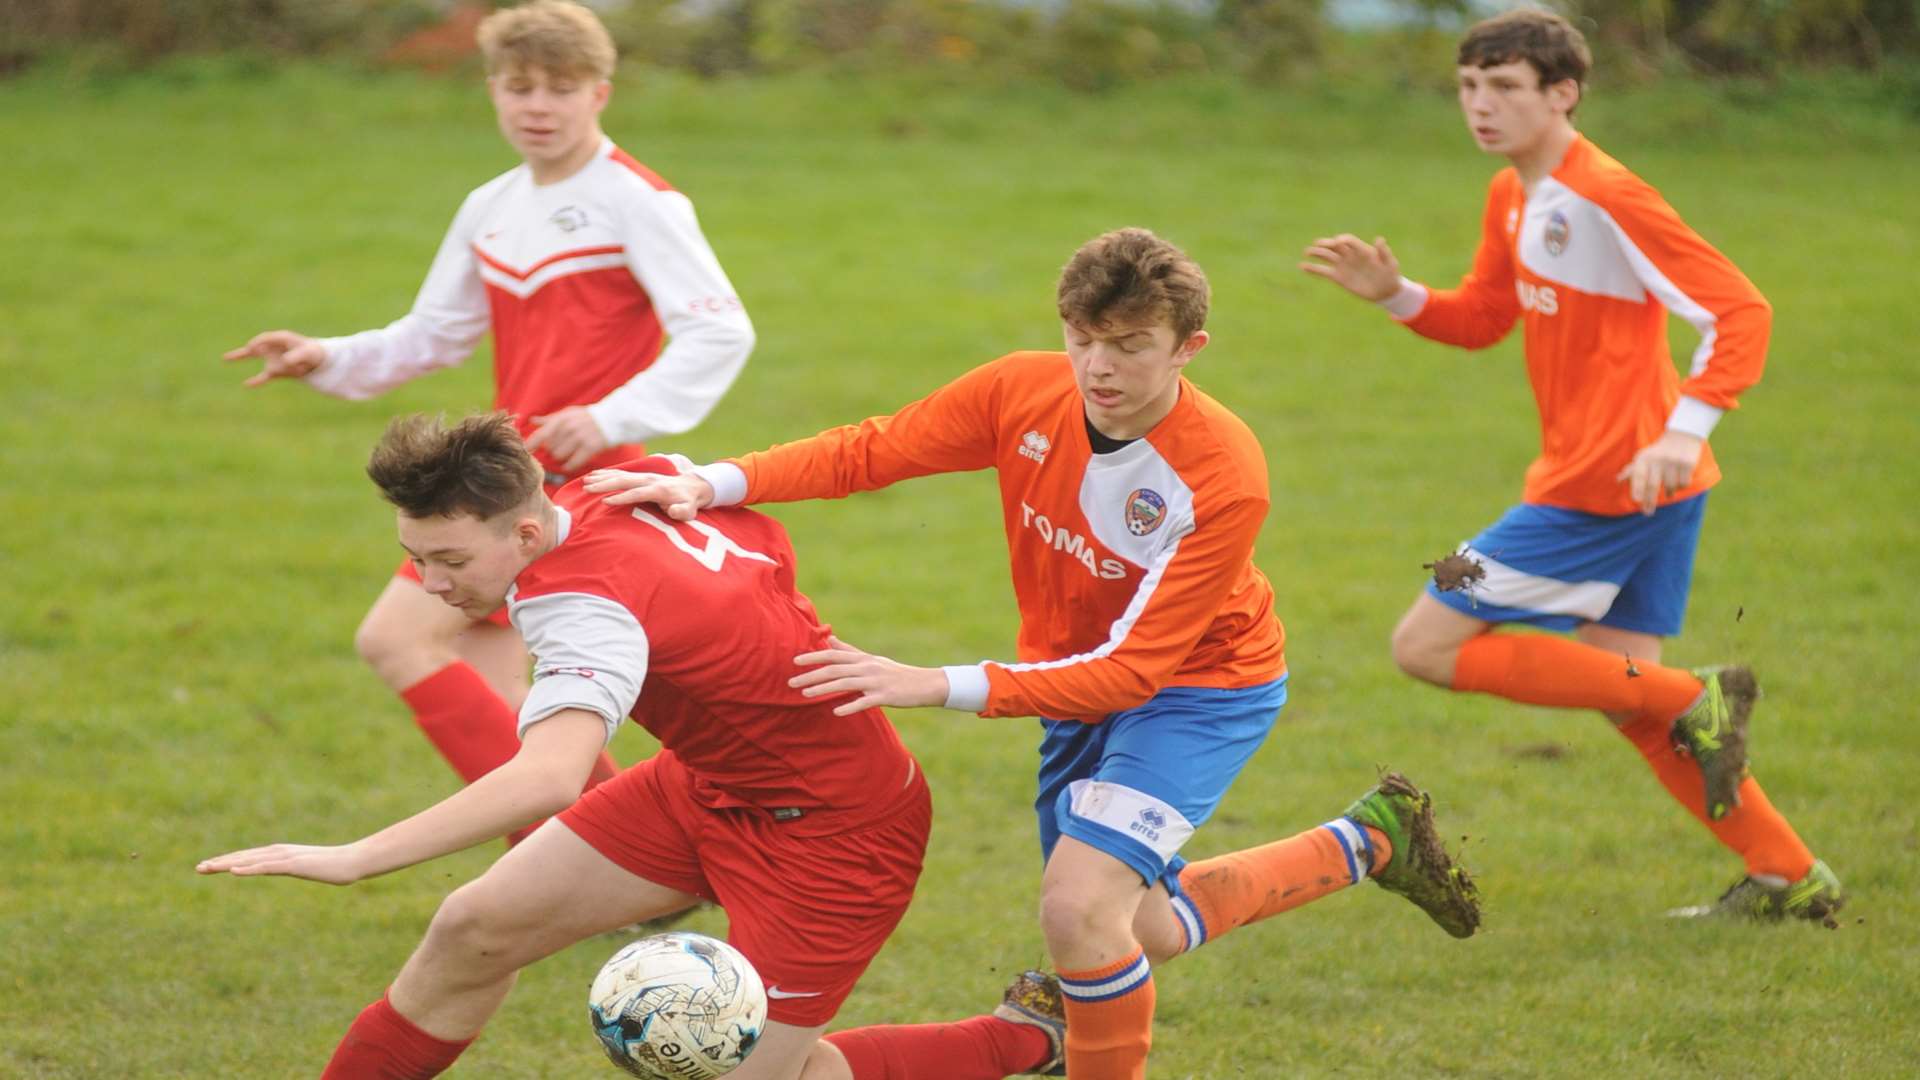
x=473 y=938
x=399 y=651
x=1421 y=655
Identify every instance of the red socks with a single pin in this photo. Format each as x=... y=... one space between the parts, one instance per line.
x=473 y=727
x=983 y=1048
x=383 y=1045
x=1109 y=1020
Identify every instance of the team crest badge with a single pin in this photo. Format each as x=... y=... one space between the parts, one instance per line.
x=568 y=219
x=1557 y=233
x=1145 y=511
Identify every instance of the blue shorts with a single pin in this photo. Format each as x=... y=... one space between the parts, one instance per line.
x=1560 y=568
x=1138 y=783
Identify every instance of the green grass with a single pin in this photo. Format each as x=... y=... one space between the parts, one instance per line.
x=185 y=560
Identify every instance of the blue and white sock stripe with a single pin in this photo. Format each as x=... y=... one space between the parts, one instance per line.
x=1125 y=981
x=1357 y=845
x=1190 y=921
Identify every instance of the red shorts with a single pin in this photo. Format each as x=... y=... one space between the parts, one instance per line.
x=809 y=911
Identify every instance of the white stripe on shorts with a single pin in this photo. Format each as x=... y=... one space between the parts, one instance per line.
x=1506 y=587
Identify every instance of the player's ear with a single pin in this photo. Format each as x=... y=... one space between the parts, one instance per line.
x=1190 y=346
x=1564 y=95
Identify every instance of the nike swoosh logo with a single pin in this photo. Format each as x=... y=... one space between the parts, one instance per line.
x=778 y=994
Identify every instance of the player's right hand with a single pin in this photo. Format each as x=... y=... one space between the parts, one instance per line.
x=327 y=865
x=1368 y=271
x=682 y=497
x=287 y=355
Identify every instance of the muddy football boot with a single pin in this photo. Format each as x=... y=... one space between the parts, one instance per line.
x=1714 y=731
x=1420 y=869
x=1814 y=898
x=1034 y=999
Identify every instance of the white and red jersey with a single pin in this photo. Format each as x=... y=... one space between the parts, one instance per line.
x=691 y=629
x=1133 y=569
x=580 y=281
x=1590 y=262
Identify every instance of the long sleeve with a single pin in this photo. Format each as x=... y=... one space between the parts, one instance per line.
x=448 y=318
x=1699 y=284
x=709 y=334
x=949 y=430
x=1177 y=602
x=1482 y=308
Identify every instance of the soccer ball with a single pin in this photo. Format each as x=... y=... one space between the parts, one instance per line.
x=678 y=1006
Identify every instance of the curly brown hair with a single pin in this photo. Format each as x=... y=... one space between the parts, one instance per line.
x=1133 y=276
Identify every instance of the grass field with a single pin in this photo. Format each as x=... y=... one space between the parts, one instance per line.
x=185 y=560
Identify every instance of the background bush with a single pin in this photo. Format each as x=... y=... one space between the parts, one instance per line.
x=1085 y=44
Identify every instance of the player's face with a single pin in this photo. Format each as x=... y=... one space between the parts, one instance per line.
x=1508 y=110
x=553 y=120
x=467 y=562
x=1128 y=373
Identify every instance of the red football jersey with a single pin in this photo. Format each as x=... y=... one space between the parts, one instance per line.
x=691 y=628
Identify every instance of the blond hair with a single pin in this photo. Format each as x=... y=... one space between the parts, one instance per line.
x=557 y=36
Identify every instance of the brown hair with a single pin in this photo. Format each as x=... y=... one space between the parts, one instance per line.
x=557 y=36
x=1133 y=276
x=478 y=466
x=1548 y=42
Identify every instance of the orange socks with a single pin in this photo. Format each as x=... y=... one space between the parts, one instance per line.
x=1241 y=887
x=1754 y=829
x=1109 y=1020
x=1541 y=670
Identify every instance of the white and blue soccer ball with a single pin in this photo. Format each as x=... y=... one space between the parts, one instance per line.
x=678 y=1006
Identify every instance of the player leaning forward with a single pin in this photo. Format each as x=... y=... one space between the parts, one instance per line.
x=581 y=261
x=1589 y=259
x=806 y=826
x=1148 y=643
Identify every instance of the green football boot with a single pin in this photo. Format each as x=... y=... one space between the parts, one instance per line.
x=1034 y=999
x=1420 y=869
x=1814 y=898
x=1714 y=731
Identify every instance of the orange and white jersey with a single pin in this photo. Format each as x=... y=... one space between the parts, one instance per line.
x=580 y=280
x=1591 y=260
x=1133 y=569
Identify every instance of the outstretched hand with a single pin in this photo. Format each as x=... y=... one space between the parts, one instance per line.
x=287 y=355
x=1368 y=271
x=682 y=496
x=875 y=680
x=327 y=865
x=1661 y=467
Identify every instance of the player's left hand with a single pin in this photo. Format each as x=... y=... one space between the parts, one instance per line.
x=571 y=435
x=876 y=680
x=327 y=865
x=1661 y=467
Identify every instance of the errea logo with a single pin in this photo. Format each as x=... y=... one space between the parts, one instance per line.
x=1035 y=445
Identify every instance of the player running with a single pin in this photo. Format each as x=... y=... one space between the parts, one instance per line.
x=581 y=260
x=1148 y=643
x=1589 y=259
